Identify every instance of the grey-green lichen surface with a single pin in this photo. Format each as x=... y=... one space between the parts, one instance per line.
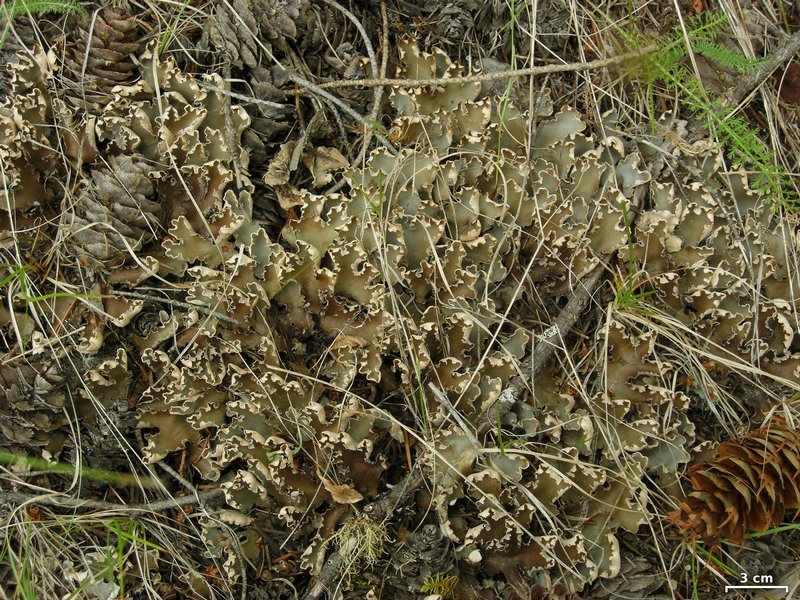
x=413 y=283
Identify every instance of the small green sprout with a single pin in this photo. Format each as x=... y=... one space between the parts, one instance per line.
x=10 y=10
x=442 y=585
x=165 y=39
x=110 y=477
x=627 y=296
x=20 y=274
x=502 y=443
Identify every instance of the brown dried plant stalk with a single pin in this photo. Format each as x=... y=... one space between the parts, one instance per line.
x=748 y=487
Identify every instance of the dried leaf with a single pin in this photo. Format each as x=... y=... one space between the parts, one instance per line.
x=322 y=162
x=341 y=493
x=790 y=84
x=278 y=170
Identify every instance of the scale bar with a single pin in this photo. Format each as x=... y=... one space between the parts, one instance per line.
x=728 y=588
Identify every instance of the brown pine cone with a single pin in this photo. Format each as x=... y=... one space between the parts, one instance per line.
x=423 y=554
x=749 y=486
x=245 y=27
x=114 y=214
x=110 y=40
x=32 y=407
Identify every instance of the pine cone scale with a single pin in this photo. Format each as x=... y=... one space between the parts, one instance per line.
x=748 y=487
x=100 y=57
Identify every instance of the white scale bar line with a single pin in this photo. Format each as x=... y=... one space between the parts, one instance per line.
x=756 y=587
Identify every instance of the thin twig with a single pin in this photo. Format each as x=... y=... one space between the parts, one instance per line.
x=340 y=103
x=373 y=61
x=197 y=307
x=544 y=350
x=187 y=485
x=379 y=510
x=748 y=82
x=330 y=571
x=383 y=507
x=242 y=97
x=540 y=70
x=376 y=103
x=230 y=133
x=58 y=501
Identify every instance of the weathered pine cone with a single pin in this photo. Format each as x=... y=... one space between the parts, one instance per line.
x=423 y=554
x=115 y=214
x=749 y=486
x=236 y=30
x=33 y=402
x=110 y=42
